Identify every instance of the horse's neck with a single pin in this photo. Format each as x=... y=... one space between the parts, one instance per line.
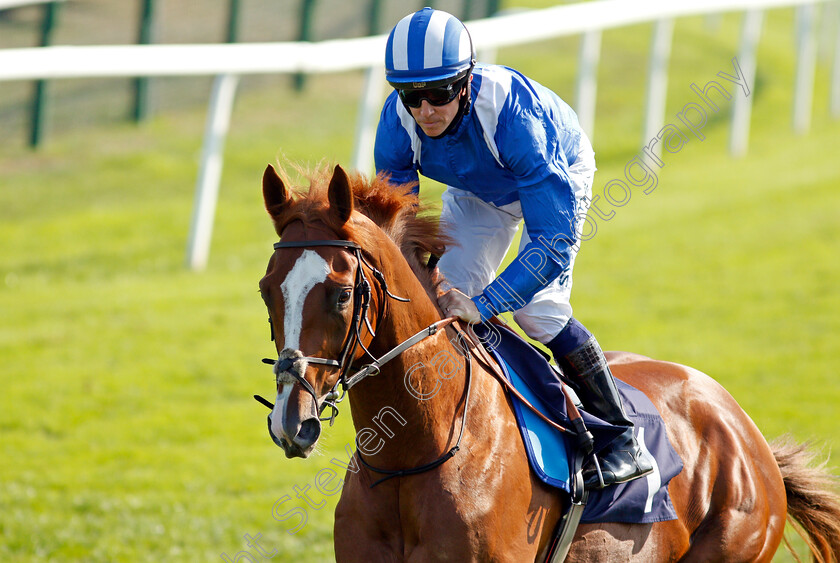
x=414 y=406
x=410 y=413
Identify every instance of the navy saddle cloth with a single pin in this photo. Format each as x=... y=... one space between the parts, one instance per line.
x=550 y=453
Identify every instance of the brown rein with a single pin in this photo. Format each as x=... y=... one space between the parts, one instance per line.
x=496 y=371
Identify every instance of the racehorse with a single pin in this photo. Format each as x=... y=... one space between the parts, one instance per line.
x=348 y=282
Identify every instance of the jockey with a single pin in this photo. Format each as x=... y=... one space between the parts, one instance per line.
x=508 y=150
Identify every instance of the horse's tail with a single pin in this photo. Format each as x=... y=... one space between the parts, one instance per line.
x=813 y=503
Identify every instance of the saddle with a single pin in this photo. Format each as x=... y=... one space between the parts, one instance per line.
x=560 y=436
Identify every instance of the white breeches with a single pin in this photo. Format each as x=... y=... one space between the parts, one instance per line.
x=483 y=234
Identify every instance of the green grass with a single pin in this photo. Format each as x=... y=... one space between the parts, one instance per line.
x=127 y=428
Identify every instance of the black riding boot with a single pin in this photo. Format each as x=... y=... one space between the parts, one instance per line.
x=622 y=460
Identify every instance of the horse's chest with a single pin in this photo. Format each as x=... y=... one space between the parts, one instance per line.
x=427 y=520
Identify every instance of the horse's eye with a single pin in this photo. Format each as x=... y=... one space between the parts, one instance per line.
x=345 y=296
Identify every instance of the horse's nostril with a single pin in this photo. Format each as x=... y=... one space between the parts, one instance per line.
x=309 y=431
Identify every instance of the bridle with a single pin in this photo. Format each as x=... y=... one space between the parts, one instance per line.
x=353 y=339
x=361 y=305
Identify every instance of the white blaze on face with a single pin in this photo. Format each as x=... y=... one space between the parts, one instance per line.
x=309 y=270
x=279 y=409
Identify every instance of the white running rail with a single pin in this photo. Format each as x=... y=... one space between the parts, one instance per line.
x=227 y=61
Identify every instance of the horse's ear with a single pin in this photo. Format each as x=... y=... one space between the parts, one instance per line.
x=341 y=195
x=275 y=194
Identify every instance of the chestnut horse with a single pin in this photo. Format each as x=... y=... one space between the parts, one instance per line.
x=351 y=251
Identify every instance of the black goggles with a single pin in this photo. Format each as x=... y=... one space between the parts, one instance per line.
x=439 y=96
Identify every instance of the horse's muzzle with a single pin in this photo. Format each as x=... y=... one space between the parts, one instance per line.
x=303 y=442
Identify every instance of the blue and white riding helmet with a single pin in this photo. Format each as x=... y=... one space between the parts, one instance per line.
x=427 y=49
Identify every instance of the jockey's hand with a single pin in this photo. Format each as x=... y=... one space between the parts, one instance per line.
x=456 y=304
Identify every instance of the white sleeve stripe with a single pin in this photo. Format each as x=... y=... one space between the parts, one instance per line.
x=495 y=87
x=408 y=124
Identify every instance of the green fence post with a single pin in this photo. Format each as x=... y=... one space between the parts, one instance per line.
x=373 y=17
x=233 y=22
x=141 y=84
x=307 y=8
x=468 y=5
x=39 y=97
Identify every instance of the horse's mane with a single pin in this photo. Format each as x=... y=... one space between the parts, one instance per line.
x=395 y=209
